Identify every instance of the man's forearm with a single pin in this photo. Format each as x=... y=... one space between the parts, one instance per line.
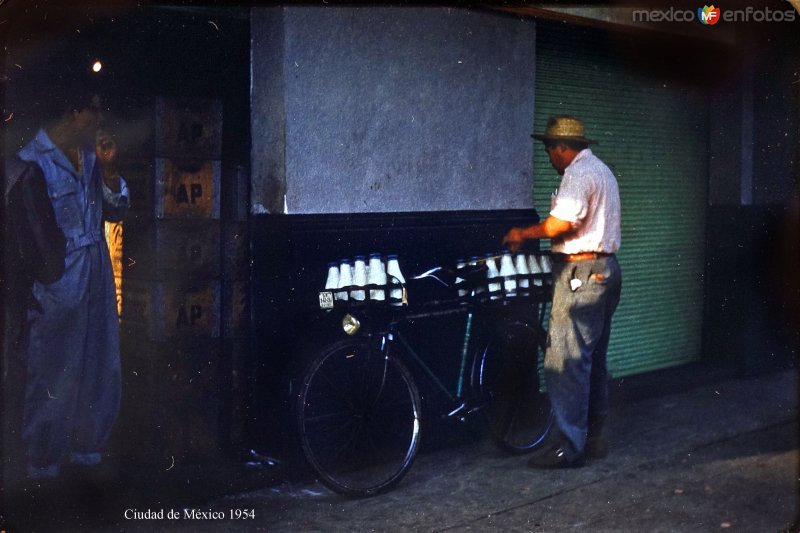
x=550 y=228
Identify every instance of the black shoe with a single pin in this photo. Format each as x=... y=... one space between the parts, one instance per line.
x=562 y=456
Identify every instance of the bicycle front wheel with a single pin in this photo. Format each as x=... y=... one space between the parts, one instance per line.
x=508 y=376
x=359 y=418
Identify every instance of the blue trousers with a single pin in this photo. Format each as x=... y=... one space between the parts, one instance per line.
x=585 y=296
x=72 y=393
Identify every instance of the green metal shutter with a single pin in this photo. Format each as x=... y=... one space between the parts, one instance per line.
x=654 y=137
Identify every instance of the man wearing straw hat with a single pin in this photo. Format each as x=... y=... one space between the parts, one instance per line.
x=584 y=228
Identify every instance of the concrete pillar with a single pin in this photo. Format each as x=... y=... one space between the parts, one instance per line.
x=382 y=109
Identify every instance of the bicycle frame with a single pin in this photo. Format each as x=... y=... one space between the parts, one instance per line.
x=359 y=408
x=463 y=397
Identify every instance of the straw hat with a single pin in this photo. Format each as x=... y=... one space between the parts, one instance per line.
x=563 y=128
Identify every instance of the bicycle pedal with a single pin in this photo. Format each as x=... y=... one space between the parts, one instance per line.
x=457 y=411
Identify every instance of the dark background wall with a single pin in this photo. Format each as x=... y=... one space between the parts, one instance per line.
x=753 y=144
x=776 y=76
x=751 y=229
x=391 y=109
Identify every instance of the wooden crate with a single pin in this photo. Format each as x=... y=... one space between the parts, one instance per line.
x=172 y=398
x=136 y=432
x=187 y=188
x=187 y=127
x=161 y=310
x=160 y=249
x=182 y=131
x=192 y=389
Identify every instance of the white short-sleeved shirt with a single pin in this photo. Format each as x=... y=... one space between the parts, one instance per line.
x=588 y=197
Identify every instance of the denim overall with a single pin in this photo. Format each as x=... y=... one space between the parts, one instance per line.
x=72 y=392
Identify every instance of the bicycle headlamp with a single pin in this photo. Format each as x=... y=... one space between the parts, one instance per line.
x=350 y=324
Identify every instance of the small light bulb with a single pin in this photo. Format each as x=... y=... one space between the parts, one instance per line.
x=97 y=66
x=350 y=324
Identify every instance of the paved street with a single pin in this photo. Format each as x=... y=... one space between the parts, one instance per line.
x=721 y=456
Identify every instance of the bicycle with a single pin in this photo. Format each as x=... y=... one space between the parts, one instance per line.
x=359 y=409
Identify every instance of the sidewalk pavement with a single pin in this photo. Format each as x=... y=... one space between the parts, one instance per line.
x=721 y=456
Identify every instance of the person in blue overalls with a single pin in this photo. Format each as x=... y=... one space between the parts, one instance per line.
x=72 y=392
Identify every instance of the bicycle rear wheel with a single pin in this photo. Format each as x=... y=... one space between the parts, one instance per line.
x=359 y=418
x=516 y=409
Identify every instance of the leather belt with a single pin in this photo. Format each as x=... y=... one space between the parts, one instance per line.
x=76 y=242
x=583 y=256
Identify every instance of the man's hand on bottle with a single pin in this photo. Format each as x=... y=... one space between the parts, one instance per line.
x=513 y=239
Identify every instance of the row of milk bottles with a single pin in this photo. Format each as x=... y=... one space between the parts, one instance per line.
x=346 y=276
x=516 y=273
